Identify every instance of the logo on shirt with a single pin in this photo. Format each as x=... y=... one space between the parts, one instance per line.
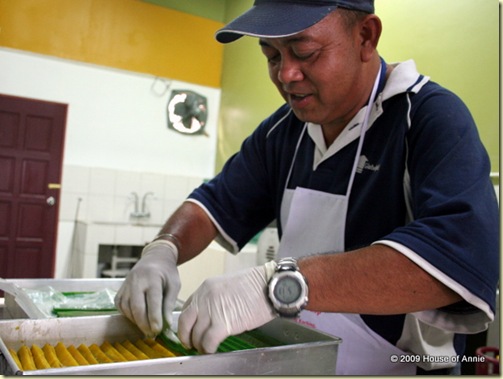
x=364 y=164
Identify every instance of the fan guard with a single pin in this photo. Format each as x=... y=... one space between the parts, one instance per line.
x=187 y=112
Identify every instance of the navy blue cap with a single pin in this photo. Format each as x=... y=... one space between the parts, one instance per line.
x=281 y=18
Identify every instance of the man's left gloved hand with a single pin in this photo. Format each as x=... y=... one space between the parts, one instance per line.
x=226 y=305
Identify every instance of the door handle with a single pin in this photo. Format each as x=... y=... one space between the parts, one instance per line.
x=51 y=201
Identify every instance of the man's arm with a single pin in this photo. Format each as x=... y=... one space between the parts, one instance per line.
x=193 y=229
x=372 y=280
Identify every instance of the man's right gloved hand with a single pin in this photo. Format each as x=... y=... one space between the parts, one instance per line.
x=149 y=293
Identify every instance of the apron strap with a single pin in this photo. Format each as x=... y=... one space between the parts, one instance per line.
x=295 y=155
x=364 y=126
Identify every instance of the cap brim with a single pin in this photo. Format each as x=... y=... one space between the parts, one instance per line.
x=273 y=20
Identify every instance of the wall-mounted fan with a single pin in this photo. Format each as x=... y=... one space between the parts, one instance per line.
x=187 y=112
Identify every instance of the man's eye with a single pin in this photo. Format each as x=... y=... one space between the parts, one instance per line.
x=273 y=59
x=303 y=55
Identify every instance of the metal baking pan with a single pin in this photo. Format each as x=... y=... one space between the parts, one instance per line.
x=21 y=306
x=303 y=351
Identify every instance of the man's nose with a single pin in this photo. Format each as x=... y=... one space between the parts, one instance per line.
x=289 y=72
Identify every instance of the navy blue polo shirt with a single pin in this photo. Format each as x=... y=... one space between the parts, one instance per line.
x=422 y=187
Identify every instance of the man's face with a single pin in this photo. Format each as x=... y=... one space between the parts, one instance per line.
x=318 y=71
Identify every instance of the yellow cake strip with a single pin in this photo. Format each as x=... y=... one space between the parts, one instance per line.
x=36 y=358
x=86 y=353
x=125 y=352
x=159 y=348
x=64 y=355
x=14 y=356
x=133 y=349
x=112 y=352
x=26 y=358
x=50 y=355
x=39 y=358
x=100 y=356
x=151 y=353
x=77 y=356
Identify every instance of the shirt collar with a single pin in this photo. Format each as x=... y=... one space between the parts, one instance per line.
x=404 y=78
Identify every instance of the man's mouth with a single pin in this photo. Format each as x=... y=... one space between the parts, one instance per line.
x=299 y=100
x=298 y=96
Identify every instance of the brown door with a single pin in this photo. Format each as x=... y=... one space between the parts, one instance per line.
x=31 y=155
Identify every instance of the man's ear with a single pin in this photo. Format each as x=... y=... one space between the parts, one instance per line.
x=370 y=32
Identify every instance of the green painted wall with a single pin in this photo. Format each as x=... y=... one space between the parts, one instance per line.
x=455 y=42
x=248 y=96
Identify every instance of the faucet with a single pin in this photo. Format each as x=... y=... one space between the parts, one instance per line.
x=136 y=210
x=144 y=213
x=144 y=209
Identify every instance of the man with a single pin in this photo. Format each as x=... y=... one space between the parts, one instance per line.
x=388 y=208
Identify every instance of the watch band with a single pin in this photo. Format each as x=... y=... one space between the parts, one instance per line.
x=287 y=264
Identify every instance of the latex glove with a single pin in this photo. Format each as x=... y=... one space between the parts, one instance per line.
x=226 y=305
x=148 y=295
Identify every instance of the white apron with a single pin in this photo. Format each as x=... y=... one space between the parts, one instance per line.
x=315 y=223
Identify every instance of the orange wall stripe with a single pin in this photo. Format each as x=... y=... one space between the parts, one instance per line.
x=125 y=34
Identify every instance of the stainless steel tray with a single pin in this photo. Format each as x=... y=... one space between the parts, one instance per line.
x=25 y=308
x=305 y=350
x=22 y=306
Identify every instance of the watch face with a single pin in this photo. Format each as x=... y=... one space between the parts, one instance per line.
x=287 y=290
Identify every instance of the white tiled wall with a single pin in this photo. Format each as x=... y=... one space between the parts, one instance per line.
x=101 y=201
x=106 y=194
x=103 y=219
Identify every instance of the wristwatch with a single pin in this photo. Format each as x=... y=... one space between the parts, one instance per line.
x=288 y=289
